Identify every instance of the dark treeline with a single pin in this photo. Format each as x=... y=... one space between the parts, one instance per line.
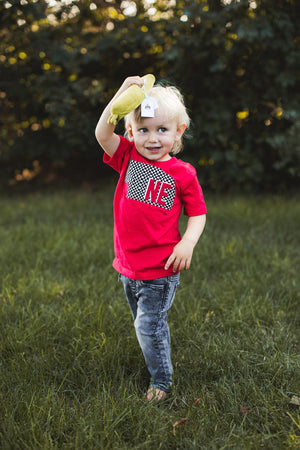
x=236 y=63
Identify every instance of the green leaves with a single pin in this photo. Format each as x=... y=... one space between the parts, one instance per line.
x=62 y=65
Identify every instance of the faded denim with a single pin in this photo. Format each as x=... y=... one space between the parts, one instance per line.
x=150 y=302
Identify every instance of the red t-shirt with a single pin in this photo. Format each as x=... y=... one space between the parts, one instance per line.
x=148 y=201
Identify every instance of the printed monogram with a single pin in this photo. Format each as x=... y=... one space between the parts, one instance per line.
x=150 y=184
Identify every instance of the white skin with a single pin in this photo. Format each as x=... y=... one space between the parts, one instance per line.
x=154 y=139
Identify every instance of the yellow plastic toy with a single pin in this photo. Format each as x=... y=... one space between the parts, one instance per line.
x=130 y=99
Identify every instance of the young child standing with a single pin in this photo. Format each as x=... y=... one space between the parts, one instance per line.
x=153 y=188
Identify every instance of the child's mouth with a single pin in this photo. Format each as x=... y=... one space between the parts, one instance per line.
x=153 y=149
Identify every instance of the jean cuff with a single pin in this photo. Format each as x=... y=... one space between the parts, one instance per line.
x=161 y=386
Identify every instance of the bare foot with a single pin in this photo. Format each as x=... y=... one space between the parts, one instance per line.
x=156 y=395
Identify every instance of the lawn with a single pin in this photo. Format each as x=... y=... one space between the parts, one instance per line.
x=71 y=372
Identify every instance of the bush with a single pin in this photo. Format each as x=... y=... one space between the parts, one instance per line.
x=236 y=64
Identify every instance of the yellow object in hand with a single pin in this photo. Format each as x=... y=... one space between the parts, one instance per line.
x=130 y=99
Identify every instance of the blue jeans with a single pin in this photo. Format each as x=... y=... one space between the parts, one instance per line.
x=149 y=302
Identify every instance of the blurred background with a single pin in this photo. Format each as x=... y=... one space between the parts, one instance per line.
x=236 y=63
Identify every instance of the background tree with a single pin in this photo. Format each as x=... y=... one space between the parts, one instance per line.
x=236 y=62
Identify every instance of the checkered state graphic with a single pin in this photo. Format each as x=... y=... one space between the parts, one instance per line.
x=150 y=184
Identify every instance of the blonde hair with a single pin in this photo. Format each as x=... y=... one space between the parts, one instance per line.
x=170 y=100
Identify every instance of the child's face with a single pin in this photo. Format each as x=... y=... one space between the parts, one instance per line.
x=155 y=137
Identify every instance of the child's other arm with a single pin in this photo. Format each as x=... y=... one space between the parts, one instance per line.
x=182 y=252
x=104 y=132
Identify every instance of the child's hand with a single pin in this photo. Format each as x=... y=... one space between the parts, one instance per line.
x=105 y=134
x=129 y=81
x=181 y=256
x=182 y=252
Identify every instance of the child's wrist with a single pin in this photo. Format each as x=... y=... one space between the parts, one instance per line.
x=190 y=240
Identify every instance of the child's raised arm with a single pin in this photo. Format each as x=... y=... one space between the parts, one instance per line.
x=104 y=132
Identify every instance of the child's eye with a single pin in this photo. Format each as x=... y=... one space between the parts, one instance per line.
x=143 y=130
x=162 y=129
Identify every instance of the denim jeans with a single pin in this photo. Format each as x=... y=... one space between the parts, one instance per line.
x=149 y=302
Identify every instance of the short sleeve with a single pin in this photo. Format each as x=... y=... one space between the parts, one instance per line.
x=121 y=155
x=192 y=195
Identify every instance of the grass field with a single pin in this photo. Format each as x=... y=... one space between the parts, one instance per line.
x=71 y=372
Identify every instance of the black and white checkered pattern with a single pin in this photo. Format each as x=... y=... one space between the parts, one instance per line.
x=139 y=175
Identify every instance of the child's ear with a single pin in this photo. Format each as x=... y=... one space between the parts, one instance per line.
x=129 y=131
x=180 y=131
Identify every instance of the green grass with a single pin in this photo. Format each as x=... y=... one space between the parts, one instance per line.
x=71 y=372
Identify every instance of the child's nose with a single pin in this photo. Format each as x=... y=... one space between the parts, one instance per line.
x=152 y=136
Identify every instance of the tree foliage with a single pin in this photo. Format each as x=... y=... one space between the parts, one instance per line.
x=235 y=61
